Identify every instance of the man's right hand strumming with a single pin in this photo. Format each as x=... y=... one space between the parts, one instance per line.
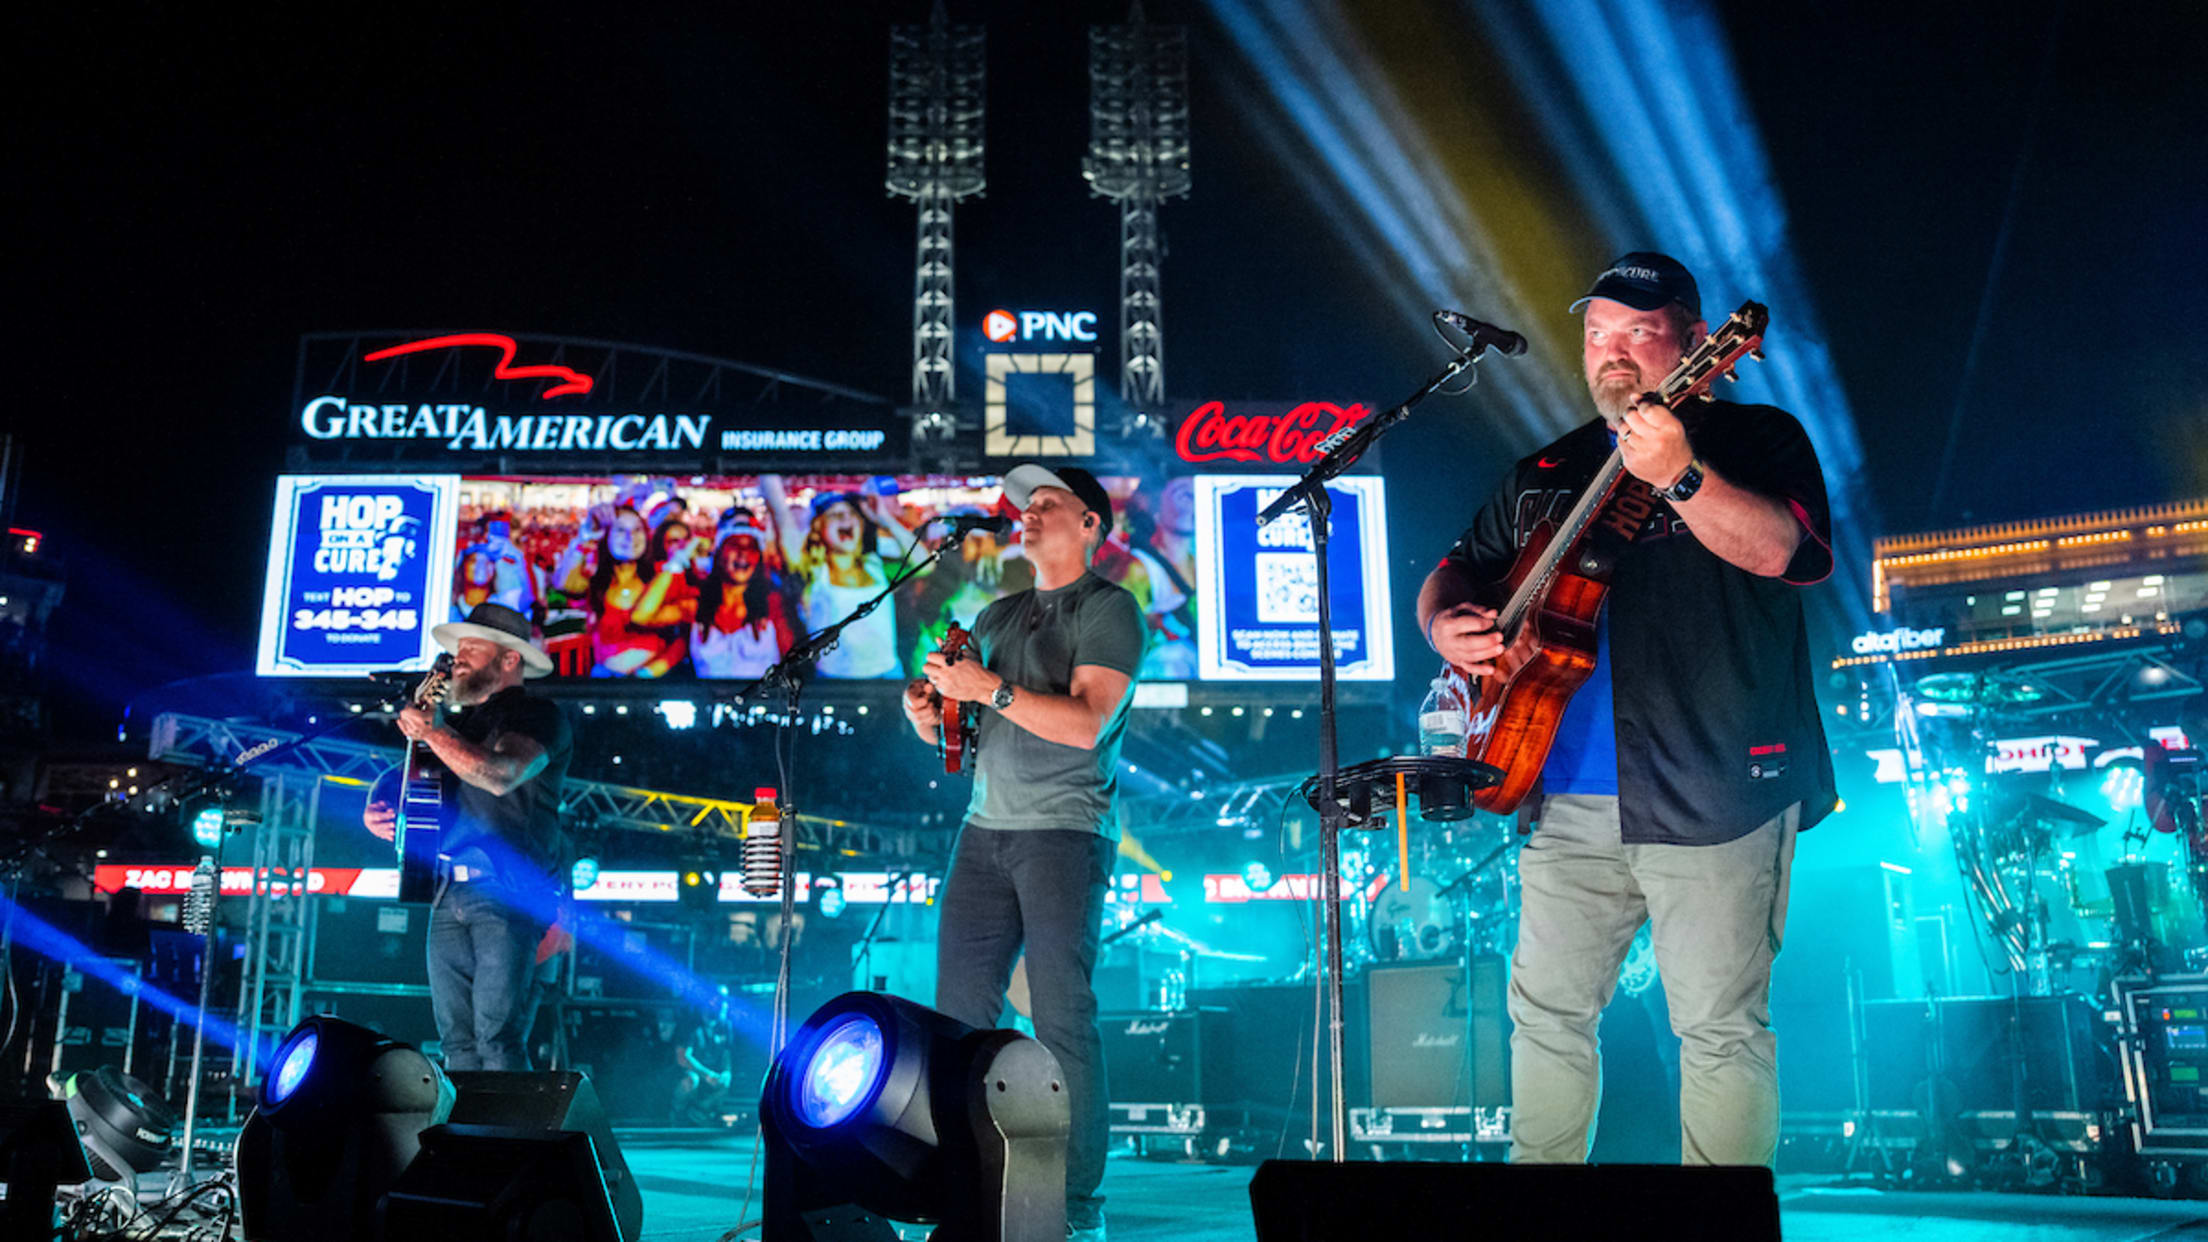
x=382 y=820
x=1465 y=636
x=922 y=710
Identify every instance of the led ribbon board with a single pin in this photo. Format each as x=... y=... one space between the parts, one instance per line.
x=1258 y=608
x=359 y=568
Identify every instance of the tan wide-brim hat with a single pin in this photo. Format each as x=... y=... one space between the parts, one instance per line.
x=496 y=623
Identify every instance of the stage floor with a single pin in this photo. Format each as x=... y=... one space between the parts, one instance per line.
x=694 y=1192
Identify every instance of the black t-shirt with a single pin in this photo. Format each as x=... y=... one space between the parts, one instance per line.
x=526 y=822
x=1716 y=719
x=709 y=1045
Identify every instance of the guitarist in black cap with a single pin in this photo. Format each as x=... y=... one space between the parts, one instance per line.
x=505 y=754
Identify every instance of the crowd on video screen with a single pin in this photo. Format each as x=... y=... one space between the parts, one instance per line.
x=719 y=577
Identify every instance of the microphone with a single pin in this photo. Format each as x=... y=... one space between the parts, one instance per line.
x=1503 y=340
x=964 y=524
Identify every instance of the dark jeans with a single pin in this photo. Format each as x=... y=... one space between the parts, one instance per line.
x=482 y=964
x=1044 y=889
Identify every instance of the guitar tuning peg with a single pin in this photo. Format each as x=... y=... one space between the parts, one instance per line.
x=1756 y=354
x=1704 y=396
x=1732 y=376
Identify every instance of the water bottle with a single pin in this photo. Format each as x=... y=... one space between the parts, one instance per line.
x=1443 y=720
x=763 y=846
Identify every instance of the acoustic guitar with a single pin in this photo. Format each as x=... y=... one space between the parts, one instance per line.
x=954 y=737
x=420 y=834
x=1557 y=586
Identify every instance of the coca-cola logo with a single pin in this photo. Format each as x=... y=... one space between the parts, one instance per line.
x=1209 y=433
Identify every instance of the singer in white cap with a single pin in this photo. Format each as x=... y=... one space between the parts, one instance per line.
x=1033 y=862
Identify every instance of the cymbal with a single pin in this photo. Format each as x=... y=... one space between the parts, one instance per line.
x=1980 y=689
x=2065 y=820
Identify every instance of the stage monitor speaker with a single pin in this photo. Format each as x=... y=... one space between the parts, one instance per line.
x=545 y=1103
x=1316 y=1201
x=513 y=1183
x=39 y=1154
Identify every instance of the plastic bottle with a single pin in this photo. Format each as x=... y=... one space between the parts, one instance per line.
x=763 y=846
x=1443 y=720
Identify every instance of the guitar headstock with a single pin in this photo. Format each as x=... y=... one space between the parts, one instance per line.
x=957 y=639
x=436 y=685
x=1739 y=336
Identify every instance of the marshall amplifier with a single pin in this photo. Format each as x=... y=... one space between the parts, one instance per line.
x=1437 y=1037
x=1154 y=1057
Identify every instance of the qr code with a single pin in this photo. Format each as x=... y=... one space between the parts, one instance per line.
x=1287 y=588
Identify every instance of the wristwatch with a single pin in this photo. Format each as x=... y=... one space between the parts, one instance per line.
x=1003 y=697
x=1689 y=483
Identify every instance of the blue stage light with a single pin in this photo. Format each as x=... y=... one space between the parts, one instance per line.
x=207 y=827
x=292 y=1063
x=844 y=1073
x=880 y=1106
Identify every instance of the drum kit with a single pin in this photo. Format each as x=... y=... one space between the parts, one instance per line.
x=2074 y=867
x=1453 y=894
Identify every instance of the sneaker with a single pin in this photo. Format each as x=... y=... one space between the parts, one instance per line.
x=1094 y=1233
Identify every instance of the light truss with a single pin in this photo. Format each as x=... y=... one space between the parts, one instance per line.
x=199 y=740
x=936 y=81
x=1138 y=154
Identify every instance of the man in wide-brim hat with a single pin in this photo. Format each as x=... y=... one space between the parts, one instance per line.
x=505 y=754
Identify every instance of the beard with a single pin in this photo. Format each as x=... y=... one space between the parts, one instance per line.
x=475 y=686
x=1614 y=393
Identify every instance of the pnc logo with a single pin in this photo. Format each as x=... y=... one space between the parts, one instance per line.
x=1003 y=327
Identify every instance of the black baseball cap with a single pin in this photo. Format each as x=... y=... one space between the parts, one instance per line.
x=1646 y=280
x=1021 y=481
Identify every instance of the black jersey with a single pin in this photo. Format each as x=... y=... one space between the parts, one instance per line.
x=1716 y=716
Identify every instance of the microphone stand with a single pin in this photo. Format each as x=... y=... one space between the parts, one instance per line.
x=788 y=673
x=1310 y=494
x=862 y=954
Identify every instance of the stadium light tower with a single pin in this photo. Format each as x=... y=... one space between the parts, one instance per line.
x=935 y=147
x=1138 y=154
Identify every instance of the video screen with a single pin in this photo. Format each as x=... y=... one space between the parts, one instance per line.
x=717 y=577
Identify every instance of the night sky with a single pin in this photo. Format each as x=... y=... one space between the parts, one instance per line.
x=197 y=192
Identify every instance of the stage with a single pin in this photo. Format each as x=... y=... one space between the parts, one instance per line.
x=694 y=1192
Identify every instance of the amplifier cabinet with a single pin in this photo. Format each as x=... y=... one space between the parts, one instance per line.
x=1153 y=1057
x=2068 y=1053
x=1437 y=1037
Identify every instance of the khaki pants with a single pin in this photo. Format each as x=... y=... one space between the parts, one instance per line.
x=1716 y=914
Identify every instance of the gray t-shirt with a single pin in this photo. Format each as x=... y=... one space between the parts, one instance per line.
x=1035 y=640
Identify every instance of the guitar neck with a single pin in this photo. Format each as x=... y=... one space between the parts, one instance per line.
x=1740 y=334
x=1536 y=584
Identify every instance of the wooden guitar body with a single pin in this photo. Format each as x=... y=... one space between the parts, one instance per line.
x=1515 y=712
x=955 y=737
